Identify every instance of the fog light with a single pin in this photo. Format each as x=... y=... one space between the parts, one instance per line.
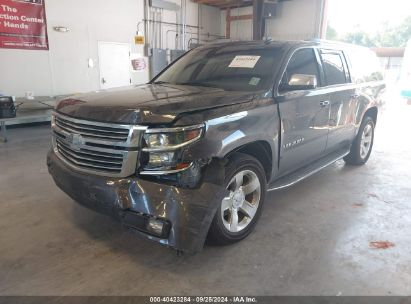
x=155 y=226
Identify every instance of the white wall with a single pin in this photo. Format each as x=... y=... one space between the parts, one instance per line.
x=296 y=19
x=239 y=29
x=210 y=22
x=64 y=68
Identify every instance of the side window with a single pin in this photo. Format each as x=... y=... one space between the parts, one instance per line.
x=333 y=68
x=304 y=62
x=365 y=65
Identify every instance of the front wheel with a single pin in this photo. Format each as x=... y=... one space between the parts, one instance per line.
x=362 y=145
x=239 y=211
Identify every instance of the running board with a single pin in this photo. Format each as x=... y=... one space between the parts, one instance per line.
x=299 y=175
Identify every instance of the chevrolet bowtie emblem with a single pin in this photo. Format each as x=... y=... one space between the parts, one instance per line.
x=75 y=139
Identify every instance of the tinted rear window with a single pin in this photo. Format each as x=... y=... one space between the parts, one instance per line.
x=365 y=65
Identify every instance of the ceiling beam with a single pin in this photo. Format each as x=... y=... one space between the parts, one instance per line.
x=258 y=20
x=223 y=4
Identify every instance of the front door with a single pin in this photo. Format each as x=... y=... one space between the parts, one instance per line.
x=114 y=63
x=304 y=115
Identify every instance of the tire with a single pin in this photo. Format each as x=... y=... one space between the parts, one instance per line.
x=227 y=228
x=357 y=156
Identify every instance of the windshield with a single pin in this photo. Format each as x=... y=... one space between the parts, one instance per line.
x=228 y=68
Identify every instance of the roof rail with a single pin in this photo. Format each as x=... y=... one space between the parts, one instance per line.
x=324 y=41
x=341 y=43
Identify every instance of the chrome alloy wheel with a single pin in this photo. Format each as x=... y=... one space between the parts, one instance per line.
x=366 y=140
x=240 y=207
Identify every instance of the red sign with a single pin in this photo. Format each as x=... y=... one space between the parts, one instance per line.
x=23 y=25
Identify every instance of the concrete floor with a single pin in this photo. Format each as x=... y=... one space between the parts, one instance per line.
x=312 y=239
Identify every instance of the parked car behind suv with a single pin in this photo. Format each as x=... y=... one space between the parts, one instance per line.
x=192 y=154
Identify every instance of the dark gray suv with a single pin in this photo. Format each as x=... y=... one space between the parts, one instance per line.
x=192 y=154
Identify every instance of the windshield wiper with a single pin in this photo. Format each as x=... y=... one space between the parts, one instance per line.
x=199 y=84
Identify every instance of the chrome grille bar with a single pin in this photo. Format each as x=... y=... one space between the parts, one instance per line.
x=89 y=134
x=99 y=132
x=87 y=164
x=89 y=157
x=92 y=128
x=95 y=147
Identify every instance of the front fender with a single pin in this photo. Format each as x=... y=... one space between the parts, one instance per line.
x=229 y=132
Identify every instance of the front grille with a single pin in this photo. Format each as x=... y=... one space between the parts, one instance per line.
x=92 y=131
x=95 y=147
x=91 y=160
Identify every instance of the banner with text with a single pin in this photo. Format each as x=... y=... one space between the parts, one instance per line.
x=23 y=25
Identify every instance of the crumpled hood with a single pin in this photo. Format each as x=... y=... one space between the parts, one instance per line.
x=148 y=104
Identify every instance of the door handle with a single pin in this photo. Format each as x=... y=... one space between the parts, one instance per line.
x=103 y=81
x=324 y=103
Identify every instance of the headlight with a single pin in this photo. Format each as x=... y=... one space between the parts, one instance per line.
x=163 y=148
x=171 y=139
x=162 y=159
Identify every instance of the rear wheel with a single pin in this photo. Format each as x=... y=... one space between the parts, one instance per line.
x=362 y=145
x=239 y=211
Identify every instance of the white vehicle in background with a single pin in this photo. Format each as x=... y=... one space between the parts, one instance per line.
x=405 y=78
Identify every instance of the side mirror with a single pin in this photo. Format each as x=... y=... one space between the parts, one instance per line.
x=300 y=82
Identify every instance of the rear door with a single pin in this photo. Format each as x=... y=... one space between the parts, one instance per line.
x=342 y=98
x=304 y=114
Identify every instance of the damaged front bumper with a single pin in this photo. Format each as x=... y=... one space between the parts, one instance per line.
x=186 y=214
